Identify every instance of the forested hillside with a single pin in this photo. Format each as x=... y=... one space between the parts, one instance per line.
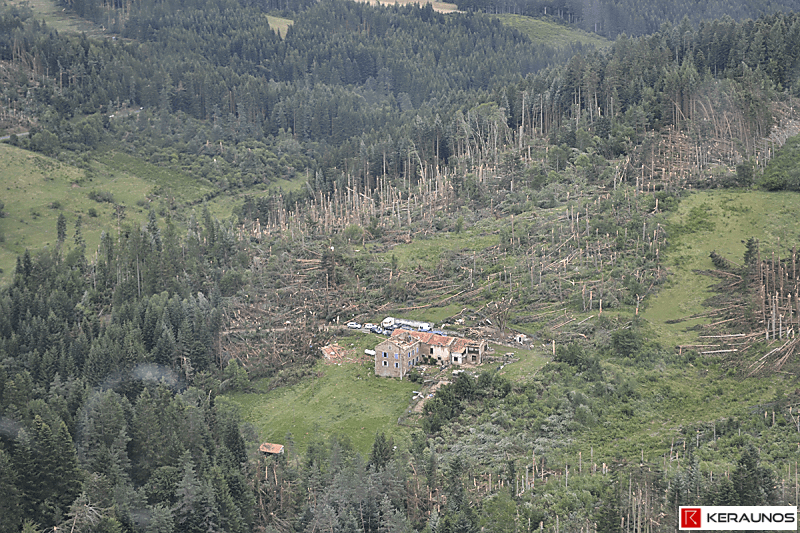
x=249 y=108
x=347 y=74
x=445 y=167
x=631 y=17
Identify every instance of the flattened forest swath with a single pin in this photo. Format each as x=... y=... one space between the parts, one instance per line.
x=195 y=204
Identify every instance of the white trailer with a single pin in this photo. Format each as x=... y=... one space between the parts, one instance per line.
x=390 y=322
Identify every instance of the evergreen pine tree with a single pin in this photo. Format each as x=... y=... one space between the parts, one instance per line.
x=607 y=516
x=195 y=510
x=24 y=461
x=51 y=479
x=234 y=442
x=159 y=520
x=392 y=521
x=722 y=492
x=382 y=451
x=458 y=516
x=67 y=475
x=145 y=436
x=79 y=242
x=165 y=351
x=61 y=228
x=752 y=482
x=230 y=516
x=9 y=496
x=348 y=522
x=103 y=435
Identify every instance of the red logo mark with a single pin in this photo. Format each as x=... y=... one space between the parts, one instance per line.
x=690 y=517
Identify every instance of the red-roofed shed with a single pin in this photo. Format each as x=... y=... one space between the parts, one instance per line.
x=271 y=449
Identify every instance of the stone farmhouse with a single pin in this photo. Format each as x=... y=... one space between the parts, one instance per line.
x=405 y=349
x=395 y=356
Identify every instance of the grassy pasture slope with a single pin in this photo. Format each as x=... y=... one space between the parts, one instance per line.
x=676 y=396
x=36 y=189
x=166 y=182
x=347 y=399
x=720 y=220
x=280 y=25
x=31 y=186
x=427 y=252
x=56 y=17
x=441 y=7
x=30 y=183
x=226 y=205
x=672 y=399
x=546 y=32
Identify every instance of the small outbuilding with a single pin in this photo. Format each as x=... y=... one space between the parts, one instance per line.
x=333 y=352
x=271 y=449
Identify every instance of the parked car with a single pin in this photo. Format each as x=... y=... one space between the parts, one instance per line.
x=369 y=326
x=354 y=325
x=376 y=329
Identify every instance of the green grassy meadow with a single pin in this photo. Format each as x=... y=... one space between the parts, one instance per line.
x=38 y=189
x=547 y=32
x=225 y=205
x=347 y=399
x=674 y=397
x=165 y=182
x=529 y=364
x=57 y=18
x=426 y=252
x=718 y=221
x=441 y=7
x=280 y=25
x=437 y=315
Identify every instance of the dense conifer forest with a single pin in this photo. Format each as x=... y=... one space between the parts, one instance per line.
x=240 y=106
x=402 y=124
x=630 y=17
